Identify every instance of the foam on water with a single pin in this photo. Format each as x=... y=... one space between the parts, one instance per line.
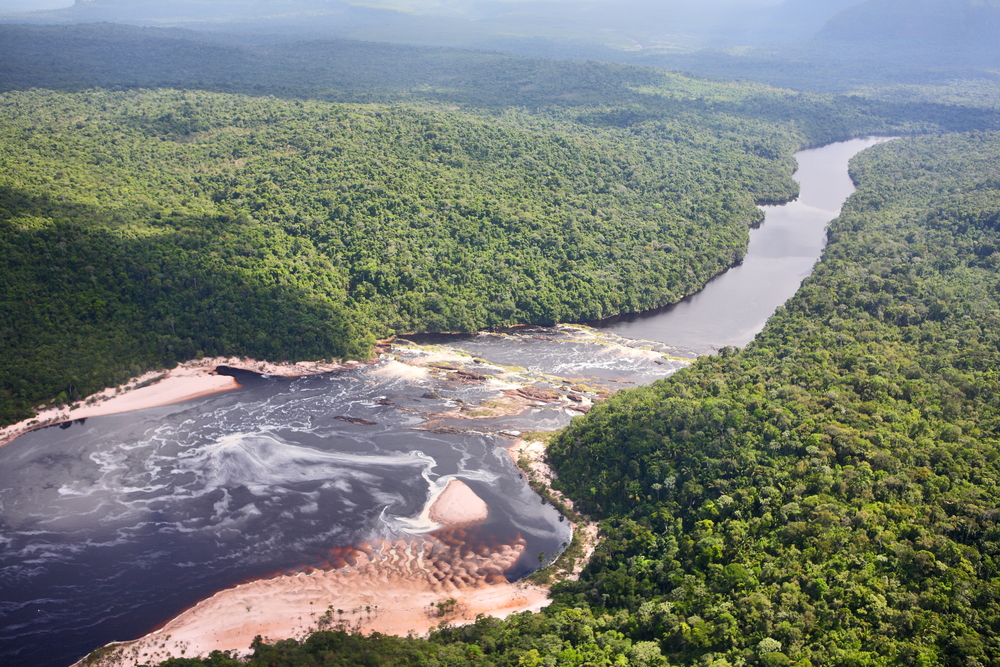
x=110 y=527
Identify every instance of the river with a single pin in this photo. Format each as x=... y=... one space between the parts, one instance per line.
x=734 y=306
x=112 y=526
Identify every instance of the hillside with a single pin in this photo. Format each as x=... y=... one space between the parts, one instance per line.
x=830 y=492
x=384 y=189
x=825 y=497
x=143 y=228
x=182 y=11
x=930 y=31
x=77 y=57
x=791 y=20
x=940 y=50
x=932 y=50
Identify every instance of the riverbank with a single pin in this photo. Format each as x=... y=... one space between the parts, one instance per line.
x=528 y=454
x=734 y=305
x=404 y=587
x=452 y=573
x=189 y=380
x=409 y=586
x=389 y=594
x=198 y=377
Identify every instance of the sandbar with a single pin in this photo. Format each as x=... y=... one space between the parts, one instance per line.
x=184 y=383
x=406 y=587
x=189 y=380
x=458 y=504
x=409 y=585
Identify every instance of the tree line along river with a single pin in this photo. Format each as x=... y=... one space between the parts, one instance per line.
x=112 y=526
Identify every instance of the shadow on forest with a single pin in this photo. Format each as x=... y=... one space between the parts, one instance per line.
x=85 y=304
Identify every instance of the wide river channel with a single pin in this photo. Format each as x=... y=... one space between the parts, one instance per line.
x=109 y=528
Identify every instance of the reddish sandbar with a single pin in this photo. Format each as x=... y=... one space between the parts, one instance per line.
x=392 y=588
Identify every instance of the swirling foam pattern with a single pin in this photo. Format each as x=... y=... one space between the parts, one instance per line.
x=112 y=526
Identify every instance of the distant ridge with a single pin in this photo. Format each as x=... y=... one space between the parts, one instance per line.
x=172 y=11
x=791 y=20
x=956 y=30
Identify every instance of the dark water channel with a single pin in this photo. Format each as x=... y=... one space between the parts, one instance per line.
x=734 y=306
x=113 y=526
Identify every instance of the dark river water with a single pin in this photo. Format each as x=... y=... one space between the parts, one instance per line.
x=113 y=526
x=734 y=306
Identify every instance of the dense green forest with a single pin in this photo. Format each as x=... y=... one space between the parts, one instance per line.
x=827 y=496
x=932 y=50
x=79 y=57
x=141 y=228
x=299 y=200
x=145 y=227
x=831 y=491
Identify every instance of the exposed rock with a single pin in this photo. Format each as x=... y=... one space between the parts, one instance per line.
x=443 y=365
x=535 y=394
x=470 y=376
x=356 y=420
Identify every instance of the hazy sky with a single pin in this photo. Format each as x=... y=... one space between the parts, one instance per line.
x=651 y=6
x=462 y=6
x=622 y=24
x=31 y=5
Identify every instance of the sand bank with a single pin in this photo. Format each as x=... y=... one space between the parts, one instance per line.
x=187 y=381
x=529 y=457
x=407 y=586
x=183 y=383
x=393 y=588
x=458 y=504
x=450 y=575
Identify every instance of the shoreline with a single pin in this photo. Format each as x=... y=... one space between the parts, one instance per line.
x=187 y=381
x=403 y=586
x=450 y=574
x=528 y=456
x=399 y=590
